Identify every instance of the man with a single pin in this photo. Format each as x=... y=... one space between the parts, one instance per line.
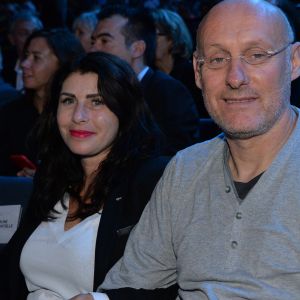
x=130 y=34
x=223 y=221
x=22 y=26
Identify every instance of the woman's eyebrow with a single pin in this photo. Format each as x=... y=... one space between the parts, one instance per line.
x=67 y=94
x=92 y=95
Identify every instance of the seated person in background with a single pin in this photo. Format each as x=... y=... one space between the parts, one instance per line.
x=83 y=27
x=7 y=92
x=174 y=49
x=99 y=164
x=130 y=34
x=44 y=52
x=22 y=26
x=223 y=222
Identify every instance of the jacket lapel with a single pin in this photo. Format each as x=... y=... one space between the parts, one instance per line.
x=107 y=235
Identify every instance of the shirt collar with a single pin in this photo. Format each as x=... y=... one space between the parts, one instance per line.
x=141 y=75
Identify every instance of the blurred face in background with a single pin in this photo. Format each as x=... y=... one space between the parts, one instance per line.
x=163 y=45
x=21 y=31
x=108 y=37
x=38 y=65
x=84 y=34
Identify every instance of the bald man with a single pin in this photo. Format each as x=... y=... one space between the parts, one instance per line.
x=223 y=222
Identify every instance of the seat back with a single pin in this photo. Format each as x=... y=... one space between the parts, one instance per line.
x=14 y=197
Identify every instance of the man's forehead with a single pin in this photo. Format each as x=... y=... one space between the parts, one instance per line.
x=114 y=22
x=236 y=19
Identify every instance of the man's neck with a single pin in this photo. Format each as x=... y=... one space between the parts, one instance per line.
x=137 y=65
x=250 y=157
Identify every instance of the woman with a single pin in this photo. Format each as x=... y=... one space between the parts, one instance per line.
x=99 y=165
x=45 y=51
x=174 y=51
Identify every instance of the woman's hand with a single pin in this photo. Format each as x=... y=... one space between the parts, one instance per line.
x=26 y=172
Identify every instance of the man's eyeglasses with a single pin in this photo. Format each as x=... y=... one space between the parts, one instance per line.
x=251 y=57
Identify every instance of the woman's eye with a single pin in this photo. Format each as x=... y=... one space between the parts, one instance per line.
x=97 y=102
x=67 y=101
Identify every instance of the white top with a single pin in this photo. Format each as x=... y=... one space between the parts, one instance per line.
x=59 y=264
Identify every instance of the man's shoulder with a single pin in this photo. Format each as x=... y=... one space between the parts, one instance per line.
x=162 y=88
x=158 y=78
x=156 y=75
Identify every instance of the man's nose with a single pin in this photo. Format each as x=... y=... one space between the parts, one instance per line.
x=236 y=75
x=94 y=47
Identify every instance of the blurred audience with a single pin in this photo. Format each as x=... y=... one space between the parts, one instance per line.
x=7 y=92
x=44 y=52
x=174 y=52
x=130 y=34
x=83 y=27
x=21 y=27
x=99 y=164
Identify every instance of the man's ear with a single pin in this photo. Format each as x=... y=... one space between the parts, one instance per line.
x=197 y=71
x=137 y=49
x=295 y=60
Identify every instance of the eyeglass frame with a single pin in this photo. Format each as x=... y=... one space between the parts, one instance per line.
x=270 y=53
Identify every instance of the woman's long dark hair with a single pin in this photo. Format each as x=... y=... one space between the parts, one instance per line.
x=60 y=170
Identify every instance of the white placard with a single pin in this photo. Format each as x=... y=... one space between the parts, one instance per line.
x=9 y=221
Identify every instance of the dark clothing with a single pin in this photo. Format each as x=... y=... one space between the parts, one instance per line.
x=7 y=93
x=9 y=60
x=243 y=188
x=295 y=92
x=121 y=212
x=173 y=108
x=184 y=72
x=16 y=121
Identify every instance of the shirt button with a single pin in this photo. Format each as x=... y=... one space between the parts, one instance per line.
x=227 y=189
x=234 y=244
x=238 y=215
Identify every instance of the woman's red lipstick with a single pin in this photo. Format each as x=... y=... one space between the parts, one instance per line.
x=81 y=133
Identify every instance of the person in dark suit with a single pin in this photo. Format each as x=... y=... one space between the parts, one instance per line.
x=174 y=52
x=130 y=34
x=99 y=164
x=7 y=92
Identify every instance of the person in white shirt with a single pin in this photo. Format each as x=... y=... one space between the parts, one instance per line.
x=99 y=152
